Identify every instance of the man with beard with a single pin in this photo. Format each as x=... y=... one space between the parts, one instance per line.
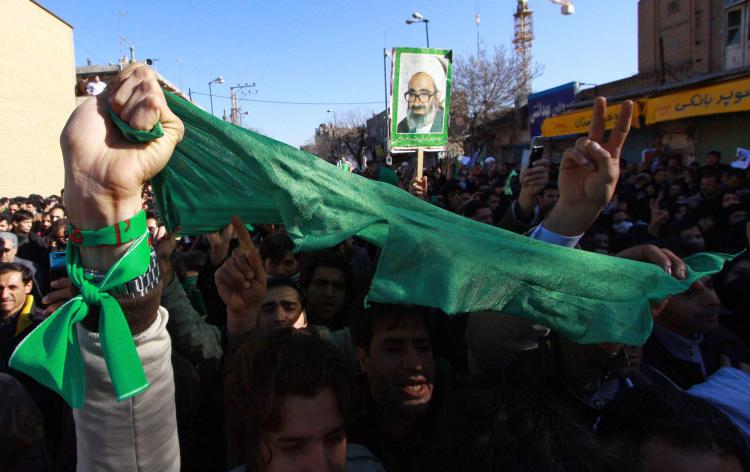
x=424 y=110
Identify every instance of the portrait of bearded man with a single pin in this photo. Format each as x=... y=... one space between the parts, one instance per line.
x=425 y=112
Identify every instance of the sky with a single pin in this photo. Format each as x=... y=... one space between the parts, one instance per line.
x=328 y=54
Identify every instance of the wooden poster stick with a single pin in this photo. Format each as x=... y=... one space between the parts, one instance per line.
x=420 y=163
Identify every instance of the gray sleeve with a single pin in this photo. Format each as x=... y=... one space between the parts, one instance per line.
x=138 y=434
x=192 y=336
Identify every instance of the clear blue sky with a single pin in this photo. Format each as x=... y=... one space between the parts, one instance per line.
x=331 y=51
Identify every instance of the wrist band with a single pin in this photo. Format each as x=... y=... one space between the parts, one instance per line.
x=51 y=354
x=116 y=235
x=138 y=287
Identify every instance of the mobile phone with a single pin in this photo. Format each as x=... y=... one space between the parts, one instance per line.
x=536 y=153
x=57 y=268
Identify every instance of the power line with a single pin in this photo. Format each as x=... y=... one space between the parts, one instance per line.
x=93 y=56
x=280 y=102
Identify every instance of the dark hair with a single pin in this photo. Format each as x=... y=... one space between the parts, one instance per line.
x=22 y=215
x=284 y=282
x=538 y=428
x=6 y=217
x=26 y=274
x=685 y=422
x=328 y=258
x=54 y=228
x=189 y=260
x=549 y=186
x=287 y=362
x=57 y=207
x=471 y=208
x=685 y=224
x=275 y=247
x=391 y=316
x=150 y=215
x=711 y=175
x=715 y=153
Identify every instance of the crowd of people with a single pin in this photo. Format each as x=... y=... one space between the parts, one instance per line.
x=263 y=358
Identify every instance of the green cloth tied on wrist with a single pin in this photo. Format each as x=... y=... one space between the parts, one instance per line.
x=51 y=354
x=119 y=233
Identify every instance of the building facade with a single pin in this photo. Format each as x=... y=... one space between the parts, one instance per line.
x=692 y=91
x=38 y=95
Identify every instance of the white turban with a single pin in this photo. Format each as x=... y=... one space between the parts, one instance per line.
x=412 y=63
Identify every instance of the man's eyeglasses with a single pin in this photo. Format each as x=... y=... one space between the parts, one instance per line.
x=423 y=97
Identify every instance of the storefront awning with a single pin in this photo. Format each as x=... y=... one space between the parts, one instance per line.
x=578 y=122
x=728 y=97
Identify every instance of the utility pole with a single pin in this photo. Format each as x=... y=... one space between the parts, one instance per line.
x=235 y=116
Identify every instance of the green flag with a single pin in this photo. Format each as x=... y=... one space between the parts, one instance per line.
x=429 y=256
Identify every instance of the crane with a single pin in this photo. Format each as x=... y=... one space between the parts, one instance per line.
x=524 y=36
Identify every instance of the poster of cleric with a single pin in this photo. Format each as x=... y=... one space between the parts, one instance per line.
x=420 y=102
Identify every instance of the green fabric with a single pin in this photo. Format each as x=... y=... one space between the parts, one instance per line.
x=429 y=256
x=507 y=189
x=134 y=135
x=120 y=233
x=387 y=175
x=51 y=355
x=190 y=285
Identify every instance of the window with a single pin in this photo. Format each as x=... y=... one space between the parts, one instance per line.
x=673 y=7
x=734 y=21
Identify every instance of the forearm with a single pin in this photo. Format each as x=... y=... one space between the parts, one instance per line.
x=241 y=322
x=570 y=221
x=525 y=206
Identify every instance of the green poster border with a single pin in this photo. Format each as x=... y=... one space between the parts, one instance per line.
x=411 y=140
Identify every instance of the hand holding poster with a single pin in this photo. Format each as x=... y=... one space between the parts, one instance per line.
x=421 y=98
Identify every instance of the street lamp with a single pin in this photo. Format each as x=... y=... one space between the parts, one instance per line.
x=386 y=55
x=417 y=17
x=217 y=80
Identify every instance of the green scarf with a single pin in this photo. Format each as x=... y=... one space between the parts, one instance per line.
x=429 y=257
x=51 y=355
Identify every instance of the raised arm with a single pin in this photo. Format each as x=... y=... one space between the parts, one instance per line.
x=104 y=174
x=589 y=173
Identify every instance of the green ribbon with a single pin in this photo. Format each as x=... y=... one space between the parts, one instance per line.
x=51 y=354
x=136 y=135
x=119 y=233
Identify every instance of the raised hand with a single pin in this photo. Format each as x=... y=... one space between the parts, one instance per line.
x=533 y=180
x=418 y=187
x=103 y=171
x=164 y=243
x=658 y=217
x=664 y=258
x=219 y=243
x=589 y=172
x=61 y=290
x=241 y=282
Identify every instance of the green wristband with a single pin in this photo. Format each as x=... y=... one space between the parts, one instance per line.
x=118 y=234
